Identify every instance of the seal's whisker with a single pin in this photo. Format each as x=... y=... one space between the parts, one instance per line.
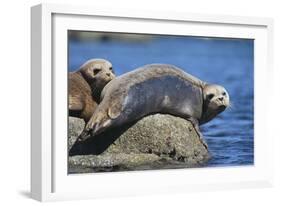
x=231 y=106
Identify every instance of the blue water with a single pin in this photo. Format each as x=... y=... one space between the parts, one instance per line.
x=228 y=62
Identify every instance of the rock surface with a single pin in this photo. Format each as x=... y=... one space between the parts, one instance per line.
x=154 y=142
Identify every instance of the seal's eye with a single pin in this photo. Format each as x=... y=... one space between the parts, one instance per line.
x=223 y=93
x=111 y=69
x=96 y=71
x=210 y=96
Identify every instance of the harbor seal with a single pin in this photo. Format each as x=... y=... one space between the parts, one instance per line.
x=85 y=86
x=156 y=88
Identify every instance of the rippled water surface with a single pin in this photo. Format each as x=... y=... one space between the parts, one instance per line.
x=228 y=62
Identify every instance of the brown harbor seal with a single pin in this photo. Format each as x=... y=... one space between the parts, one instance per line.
x=156 y=88
x=85 y=86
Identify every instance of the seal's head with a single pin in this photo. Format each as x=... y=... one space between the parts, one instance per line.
x=216 y=100
x=97 y=72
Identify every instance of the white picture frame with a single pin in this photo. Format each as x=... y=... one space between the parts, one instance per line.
x=49 y=178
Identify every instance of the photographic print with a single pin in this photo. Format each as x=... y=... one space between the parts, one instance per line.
x=147 y=101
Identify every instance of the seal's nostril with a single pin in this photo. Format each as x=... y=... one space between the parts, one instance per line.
x=221 y=98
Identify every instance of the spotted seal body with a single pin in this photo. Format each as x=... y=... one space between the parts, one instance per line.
x=156 y=88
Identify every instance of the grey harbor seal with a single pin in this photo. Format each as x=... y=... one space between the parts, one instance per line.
x=85 y=86
x=156 y=88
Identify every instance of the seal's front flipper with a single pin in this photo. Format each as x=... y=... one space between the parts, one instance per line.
x=83 y=136
x=100 y=127
x=99 y=122
x=102 y=120
x=90 y=132
x=195 y=124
